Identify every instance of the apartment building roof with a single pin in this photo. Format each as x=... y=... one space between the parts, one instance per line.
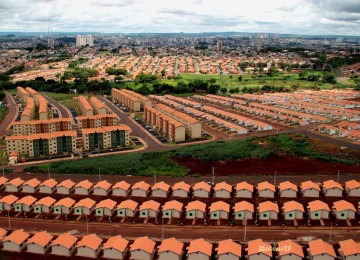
x=151 y=205
x=17 y=237
x=22 y=90
x=91 y=241
x=200 y=245
x=31 y=137
x=316 y=205
x=173 y=204
x=196 y=205
x=85 y=103
x=128 y=204
x=48 y=121
x=105 y=129
x=143 y=243
x=66 y=240
x=342 y=205
x=293 y=205
x=97 y=103
x=66 y=202
x=219 y=205
x=117 y=242
x=41 y=238
x=268 y=206
x=319 y=247
x=107 y=203
x=243 y=205
x=229 y=246
x=96 y=117
x=172 y=245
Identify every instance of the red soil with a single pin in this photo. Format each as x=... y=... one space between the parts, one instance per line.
x=279 y=163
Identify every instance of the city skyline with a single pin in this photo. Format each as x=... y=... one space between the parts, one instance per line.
x=191 y=16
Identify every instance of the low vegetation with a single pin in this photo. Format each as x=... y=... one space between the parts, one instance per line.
x=163 y=163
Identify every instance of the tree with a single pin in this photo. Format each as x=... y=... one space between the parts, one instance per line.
x=240 y=78
x=223 y=90
x=212 y=81
x=329 y=78
x=213 y=89
x=163 y=73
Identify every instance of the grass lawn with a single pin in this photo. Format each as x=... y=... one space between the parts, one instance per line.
x=62 y=96
x=3 y=112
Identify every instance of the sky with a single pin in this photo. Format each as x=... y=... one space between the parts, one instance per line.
x=311 y=17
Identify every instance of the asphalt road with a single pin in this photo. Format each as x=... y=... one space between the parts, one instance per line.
x=64 y=113
x=185 y=233
x=13 y=111
x=137 y=130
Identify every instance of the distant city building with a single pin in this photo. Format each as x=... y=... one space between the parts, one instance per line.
x=219 y=46
x=82 y=40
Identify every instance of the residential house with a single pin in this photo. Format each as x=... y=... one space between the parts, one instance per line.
x=84 y=187
x=89 y=246
x=39 y=243
x=143 y=248
x=172 y=209
x=352 y=188
x=349 y=250
x=332 y=188
x=199 y=249
x=318 y=249
x=44 y=205
x=219 y=210
x=289 y=250
x=318 y=209
x=15 y=185
x=84 y=207
x=149 y=209
x=16 y=241
x=243 y=210
x=65 y=187
x=102 y=188
x=293 y=210
x=116 y=247
x=160 y=190
x=127 y=208
x=181 y=189
x=310 y=189
x=105 y=208
x=64 y=245
x=195 y=210
x=223 y=190
x=244 y=190
x=140 y=189
x=64 y=206
x=3 y=182
x=31 y=186
x=266 y=190
x=259 y=250
x=288 y=190
x=121 y=189
x=3 y=234
x=343 y=209
x=201 y=190
x=228 y=250
x=25 y=204
x=170 y=249
x=48 y=186
x=7 y=202
x=268 y=210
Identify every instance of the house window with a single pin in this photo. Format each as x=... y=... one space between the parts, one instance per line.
x=316 y=214
x=342 y=214
x=264 y=215
x=190 y=214
x=214 y=215
x=239 y=215
x=167 y=214
x=290 y=215
x=99 y=211
x=143 y=213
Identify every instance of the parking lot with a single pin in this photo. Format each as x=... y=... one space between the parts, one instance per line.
x=151 y=131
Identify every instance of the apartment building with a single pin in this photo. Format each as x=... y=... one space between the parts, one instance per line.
x=99 y=107
x=42 y=143
x=105 y=137
x=29 y=110
x=171 y=128
x=23 y=94
x=85 y=107
x=42 y=126
x=192 y=125
x=97 y=121
x=43 y=107
x=130 y=99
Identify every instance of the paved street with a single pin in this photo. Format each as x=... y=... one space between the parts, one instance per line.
x=11 y=116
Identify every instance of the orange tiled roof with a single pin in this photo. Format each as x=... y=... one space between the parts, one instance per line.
x=17 y=236
x=200 y=245
x=141 y=185
x=293 y=205
x=87 y=203
x=243 y=205
x=318 y=205
x=66 y=202
x=265 y=185
x=91 y=241
x=291 y=248
x=318 y=247
x=287 y=185
x=173 y=204
x=41 y=238
x=32 y=183
x=27 y=200
x=51 y=183
x=16 y=182
x=121 y=185
x=86 y=184
x=353 y=184
x=229 y=246
x=103 y=184
x=3 y=180
x=47 y=201
x=117 y=242
x=9 y=199
x=244 y=186
x=330 y=184
x=150 y=204
x=182 y=186
x=161 y=186
x=255 y=247
x=67 y=184
x=349 y=247
x=143 y=243
x=342 y=205
x=309 y=185
x=198 y=205
x=220 y=205
x=3 y=233
x=128 y=204
x=202 y=185
x=223 y=186
x=268 y=206
x=66 y=240
x=108 y=203
x=172 y=245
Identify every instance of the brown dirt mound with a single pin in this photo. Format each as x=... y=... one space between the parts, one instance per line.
x=279 y=163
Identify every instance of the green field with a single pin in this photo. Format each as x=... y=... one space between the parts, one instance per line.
x=3 y=112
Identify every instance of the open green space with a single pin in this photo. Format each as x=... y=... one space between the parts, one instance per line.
x=163 y=163
x=3 y=112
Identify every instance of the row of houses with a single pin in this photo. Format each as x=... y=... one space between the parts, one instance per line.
x=182 y=189
x=145 y=248
x=130 y=99
x=346 y=130
x=194 y=210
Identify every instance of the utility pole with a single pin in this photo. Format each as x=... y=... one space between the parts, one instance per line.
x=338 y=176
x=213 y=175
x=154 y=176
x=49 y=171
x=330 y=237
x=162 y=228
x=87 y=225
x=3 y=170
x=99 y=174
x=9 y=219
x=245 y=229
x=275 y=178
